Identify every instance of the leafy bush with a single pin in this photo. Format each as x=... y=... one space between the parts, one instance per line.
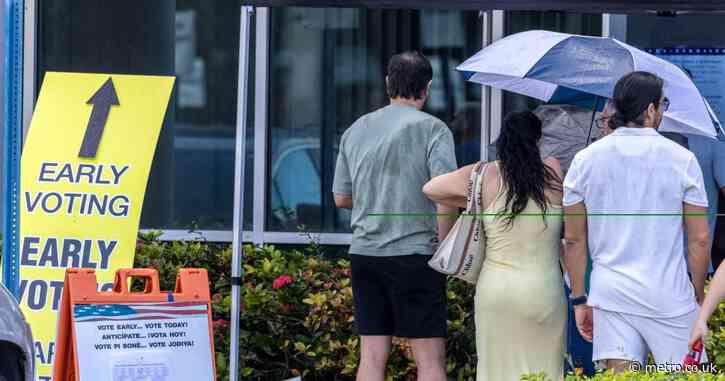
x=715 y=344
x=633 y=376
x=296 y=316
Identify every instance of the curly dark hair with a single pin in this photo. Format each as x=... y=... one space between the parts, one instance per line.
x=524 y=174
x=408 y=75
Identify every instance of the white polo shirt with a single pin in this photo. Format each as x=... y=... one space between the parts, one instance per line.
x=633 y=184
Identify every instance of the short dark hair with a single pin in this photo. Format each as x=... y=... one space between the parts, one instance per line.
x=633 y=93
x=408 y=75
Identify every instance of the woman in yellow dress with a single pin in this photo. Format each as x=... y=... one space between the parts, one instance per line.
x=520 y=306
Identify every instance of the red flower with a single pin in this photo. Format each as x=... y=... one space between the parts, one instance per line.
x=282 y=281
x=221 y=324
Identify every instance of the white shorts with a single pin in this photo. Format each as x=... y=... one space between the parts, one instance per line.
x=620 y=336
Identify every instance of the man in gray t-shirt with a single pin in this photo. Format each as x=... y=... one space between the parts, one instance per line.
x=384 y=160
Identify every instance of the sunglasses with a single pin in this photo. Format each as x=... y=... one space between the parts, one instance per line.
x=665 y=104
x=602 y=122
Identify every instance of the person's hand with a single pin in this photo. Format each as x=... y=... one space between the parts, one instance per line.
x=584 y=321
x=699 y=333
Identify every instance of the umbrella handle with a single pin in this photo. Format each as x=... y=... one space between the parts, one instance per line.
x=591 y=125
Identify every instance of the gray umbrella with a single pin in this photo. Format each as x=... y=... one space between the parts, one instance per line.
x=565 y=131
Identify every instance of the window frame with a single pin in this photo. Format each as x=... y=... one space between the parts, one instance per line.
x=491 y=116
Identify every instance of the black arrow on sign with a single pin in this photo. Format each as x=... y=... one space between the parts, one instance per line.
x=102 y=101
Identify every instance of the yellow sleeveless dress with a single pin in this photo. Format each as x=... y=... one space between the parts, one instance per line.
x=520 y=306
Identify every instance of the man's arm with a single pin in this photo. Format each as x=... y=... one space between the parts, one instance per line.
x=576 y=263
x=694 y=206
x=576 y=246
x=698 y=246
x=343 y=201
x=342 y=182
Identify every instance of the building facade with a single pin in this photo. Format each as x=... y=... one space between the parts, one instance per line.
x=312 y=72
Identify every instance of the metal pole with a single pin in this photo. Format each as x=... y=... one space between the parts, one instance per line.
x=498 y=31
x=239 y=156
x=486 y=21
x=12 y=142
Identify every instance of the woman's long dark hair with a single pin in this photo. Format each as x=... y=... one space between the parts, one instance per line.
x=524 y=173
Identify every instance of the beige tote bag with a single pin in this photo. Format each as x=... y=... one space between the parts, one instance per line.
x=462 y=252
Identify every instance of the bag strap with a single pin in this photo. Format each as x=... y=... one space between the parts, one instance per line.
x=478 y=193
x=472 y=192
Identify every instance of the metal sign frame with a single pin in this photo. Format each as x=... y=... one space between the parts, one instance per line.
x=12 y=142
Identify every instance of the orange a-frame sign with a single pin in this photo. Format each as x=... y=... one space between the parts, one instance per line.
x=124 y=335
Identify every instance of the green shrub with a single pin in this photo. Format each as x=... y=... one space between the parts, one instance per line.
x=634 y=376
x=303 y=325
x=715 y=345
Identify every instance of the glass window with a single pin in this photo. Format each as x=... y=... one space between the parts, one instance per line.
x=327 y=68
x=191 y=185
x=589 y=24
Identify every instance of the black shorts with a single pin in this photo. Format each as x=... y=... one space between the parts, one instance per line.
x=398 y=296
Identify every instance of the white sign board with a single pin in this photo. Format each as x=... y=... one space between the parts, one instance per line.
x=143 y=342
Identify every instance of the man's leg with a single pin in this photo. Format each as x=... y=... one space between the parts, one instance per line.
x=619 y=366
x=373 y=315
x=374 y=352
x=420 y=313
x=617 y=343
x=430 y=358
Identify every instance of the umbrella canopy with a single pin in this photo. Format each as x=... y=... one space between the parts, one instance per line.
x=582 y=70
x=565 y=130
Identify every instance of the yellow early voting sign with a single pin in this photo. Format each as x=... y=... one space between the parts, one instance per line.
x=84 y=169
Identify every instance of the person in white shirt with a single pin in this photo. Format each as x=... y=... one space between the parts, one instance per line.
x=625 y=197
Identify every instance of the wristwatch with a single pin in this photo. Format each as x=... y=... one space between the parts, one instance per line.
x=579 y=300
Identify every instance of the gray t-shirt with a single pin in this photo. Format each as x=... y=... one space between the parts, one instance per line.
x=384 y=160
